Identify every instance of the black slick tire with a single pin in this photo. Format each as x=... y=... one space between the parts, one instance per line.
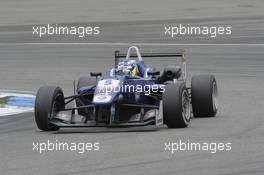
x=204 y=94
x=176 y=106
x=49 y=100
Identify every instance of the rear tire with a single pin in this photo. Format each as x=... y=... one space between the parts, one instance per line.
x=176 y=106
x=49 y=101
x=84 y=82
x=204 y=94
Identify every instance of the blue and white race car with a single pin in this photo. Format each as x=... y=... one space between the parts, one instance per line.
x=130 y=94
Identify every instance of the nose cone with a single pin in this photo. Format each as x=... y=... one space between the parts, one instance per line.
x=106 y=91
x=103 y=98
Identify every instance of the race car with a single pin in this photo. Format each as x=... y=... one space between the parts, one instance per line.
x=130 y=94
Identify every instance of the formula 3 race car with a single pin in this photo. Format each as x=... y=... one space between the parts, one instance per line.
x=130 y=94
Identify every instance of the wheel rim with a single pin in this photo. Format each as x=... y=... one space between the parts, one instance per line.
x=215 y=97
x=55 y=106
x=186 y=106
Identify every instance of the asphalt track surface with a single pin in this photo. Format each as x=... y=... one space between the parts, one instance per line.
x=238 y=69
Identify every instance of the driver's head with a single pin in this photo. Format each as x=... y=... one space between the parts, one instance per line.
x=128 y=67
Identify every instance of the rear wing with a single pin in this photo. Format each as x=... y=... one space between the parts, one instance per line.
x=177 y=54
x=119 y=54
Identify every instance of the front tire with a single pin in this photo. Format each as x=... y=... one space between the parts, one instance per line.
x=204 y=94
x=176 y=106
x=49 y=101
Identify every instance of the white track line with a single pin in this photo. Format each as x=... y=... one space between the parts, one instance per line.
x=17 y=91
x=140 y=44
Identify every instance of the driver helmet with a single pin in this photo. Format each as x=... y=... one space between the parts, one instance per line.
x=128 y=67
